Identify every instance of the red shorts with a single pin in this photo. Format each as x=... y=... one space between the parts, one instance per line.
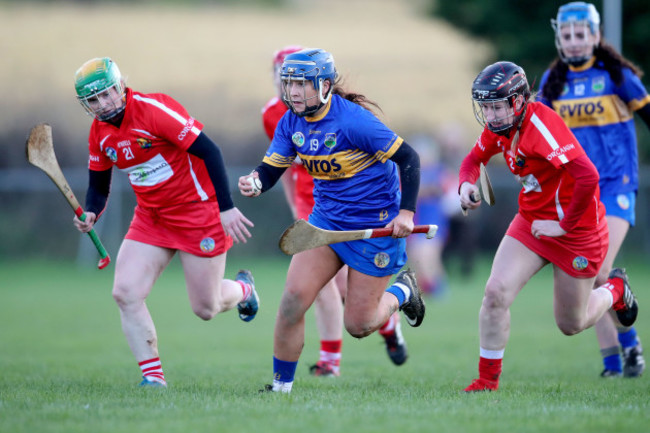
x=579 y=253
x=191 y=227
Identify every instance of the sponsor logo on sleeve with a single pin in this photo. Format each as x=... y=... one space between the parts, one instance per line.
x=560 y=151
x=188 y=127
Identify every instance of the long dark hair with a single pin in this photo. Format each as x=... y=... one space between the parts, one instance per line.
x=612 y=61
x=357 y=98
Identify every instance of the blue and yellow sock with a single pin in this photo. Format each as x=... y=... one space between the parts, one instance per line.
x=283 y=373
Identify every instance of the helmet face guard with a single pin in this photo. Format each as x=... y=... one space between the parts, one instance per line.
x=572 y=22
x=497 y=115
x=496 y=94
x=100 y=88
x=310 y=65
x=278 y=59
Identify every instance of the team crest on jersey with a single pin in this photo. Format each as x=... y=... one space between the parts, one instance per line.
x=383 y=215
x=298 y=139
x=207 y=245
x=330 y=140
x=382 y=260
x=520 y=161
x=598 y=84
x=580 y=263
x=111 y=154
x=623 y=201
x=144 y=143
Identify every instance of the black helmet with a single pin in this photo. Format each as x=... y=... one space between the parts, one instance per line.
x=501 y=81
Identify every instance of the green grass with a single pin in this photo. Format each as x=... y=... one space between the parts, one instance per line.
x=65 y=366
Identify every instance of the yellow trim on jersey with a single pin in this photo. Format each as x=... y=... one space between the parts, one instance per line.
x=277 y=160
x=596 y=111
x=326 y=109
x=384 y=156
x=588 y=64
x=637 y=104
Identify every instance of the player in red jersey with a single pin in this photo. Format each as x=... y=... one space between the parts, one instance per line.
x=560 y=220
x=298 y=186
x=183 y=204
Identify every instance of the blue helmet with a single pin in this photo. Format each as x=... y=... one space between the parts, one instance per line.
x=311 y=64
x=571 y=14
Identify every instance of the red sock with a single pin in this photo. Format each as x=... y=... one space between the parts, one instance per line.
x=616 y=288
x=152 y=370
x=489 y=369
x=330 y=352
x=246 y=290
x=388 y=328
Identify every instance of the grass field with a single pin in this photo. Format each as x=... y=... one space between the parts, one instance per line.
x=65 y=366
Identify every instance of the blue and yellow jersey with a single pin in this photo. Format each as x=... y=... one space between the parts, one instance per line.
x=346 y=149
x=600 y=115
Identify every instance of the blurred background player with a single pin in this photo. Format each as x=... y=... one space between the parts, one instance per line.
x=357 y=164
x=437 y=182
x=183 y=204
x=589 y=73
x=560 y=219
x=462 y=246
x=298 y=187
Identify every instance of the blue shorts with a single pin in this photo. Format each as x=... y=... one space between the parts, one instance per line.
x=377 y=257
x=620 y=205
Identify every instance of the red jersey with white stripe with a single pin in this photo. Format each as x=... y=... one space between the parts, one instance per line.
x=304 y=182
x=151 y=147
x=545 y=145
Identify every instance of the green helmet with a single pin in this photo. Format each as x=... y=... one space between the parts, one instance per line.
x=95 y=77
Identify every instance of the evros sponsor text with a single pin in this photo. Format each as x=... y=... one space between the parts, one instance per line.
x=580 y=109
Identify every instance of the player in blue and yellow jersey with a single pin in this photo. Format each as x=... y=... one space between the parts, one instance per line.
x=597 y=91
x=357 y=164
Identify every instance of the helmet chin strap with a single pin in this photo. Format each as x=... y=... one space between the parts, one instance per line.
x=320 y=93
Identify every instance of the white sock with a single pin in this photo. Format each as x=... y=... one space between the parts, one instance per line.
x=491 y=354
x=610 y=296
x=404 y=289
